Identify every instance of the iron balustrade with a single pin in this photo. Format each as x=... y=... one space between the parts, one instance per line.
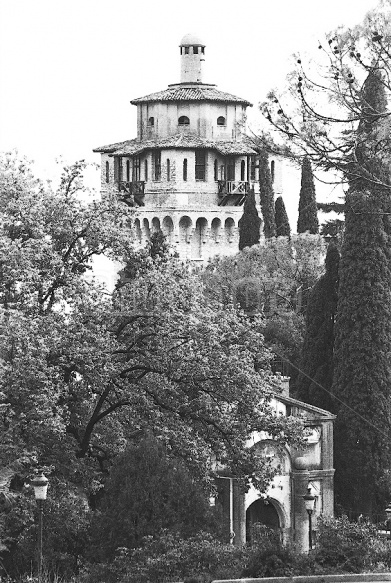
x=136 y=187
x=233 y=186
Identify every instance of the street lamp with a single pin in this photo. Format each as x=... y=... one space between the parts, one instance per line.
x=40 y=485
x=309 y=501
x=388 y=522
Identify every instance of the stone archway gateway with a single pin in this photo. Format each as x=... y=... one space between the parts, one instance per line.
x=264 y=512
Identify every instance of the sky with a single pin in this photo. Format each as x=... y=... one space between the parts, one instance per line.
x=68 y=69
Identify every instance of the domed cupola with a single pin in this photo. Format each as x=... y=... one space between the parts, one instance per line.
x=192 y=57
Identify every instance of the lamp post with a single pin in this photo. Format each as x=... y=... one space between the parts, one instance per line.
x=309 y=501
x=40 y=485
x=388 y=522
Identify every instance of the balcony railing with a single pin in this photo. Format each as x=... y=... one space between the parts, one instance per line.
x=133 y=192
x=232 y=192
x=233 y=186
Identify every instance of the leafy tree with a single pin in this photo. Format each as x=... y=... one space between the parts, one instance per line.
x=320 y=111
x=308 y=215
x=269 y=279
x=266 y=195
x=316 y=365
x=148 y=490
x=249 y=223
x=344 y=127
x=85 y=371
x=283 y=228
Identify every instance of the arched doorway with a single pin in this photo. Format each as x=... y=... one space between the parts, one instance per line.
x=264 y=512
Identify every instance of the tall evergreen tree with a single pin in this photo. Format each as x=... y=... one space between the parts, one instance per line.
x=266 y=196
x=282 y=222
x=316 y=376
x=362 y=372
x=308 y=213
x=249 y=223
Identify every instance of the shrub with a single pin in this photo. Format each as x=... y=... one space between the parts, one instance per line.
x=168 y=557
x=350 y=546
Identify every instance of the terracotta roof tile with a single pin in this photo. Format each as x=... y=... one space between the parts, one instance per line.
x=178 y=141
x=112 y=147
x=183 y=92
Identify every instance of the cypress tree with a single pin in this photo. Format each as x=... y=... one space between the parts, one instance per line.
x=266 y=196
x=362 y=377
x=368 y=164
x=362 y=372
x=249 y=223
x=317 y=354
x=308 y=214
x=283 y=228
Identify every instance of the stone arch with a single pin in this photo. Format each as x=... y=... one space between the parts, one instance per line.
x=229 y=227
x=155 y=225
x=185 y=225
x=137 y=230
x=146 y=229
x=262 y=511
x=215 y=229
x=168 y=228
x=270 y=512
x=199 y=239
x=279 y=456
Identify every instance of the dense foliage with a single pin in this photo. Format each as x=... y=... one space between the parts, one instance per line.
x=361 y=367
x=316 y=365
x=342 y=547
x=249 y=223
x=149 y=489
x=270 y=280
x=308 y=211
x=335 y=113
x=86 y=371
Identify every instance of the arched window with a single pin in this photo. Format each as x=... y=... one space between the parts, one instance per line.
x=151 y=121
x=216 y=170
x=107 y=172
x=168 y=170
x=272 y=169
x=183 y=120
x=221 y=121
x=185 y=169
x=242 y=170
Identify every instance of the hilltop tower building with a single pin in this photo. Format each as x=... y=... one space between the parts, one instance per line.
x=191 y=165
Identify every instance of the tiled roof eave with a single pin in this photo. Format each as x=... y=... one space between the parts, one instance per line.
x=184 y=92
x=178 y=142
x=225 y=148
x=141 y=100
